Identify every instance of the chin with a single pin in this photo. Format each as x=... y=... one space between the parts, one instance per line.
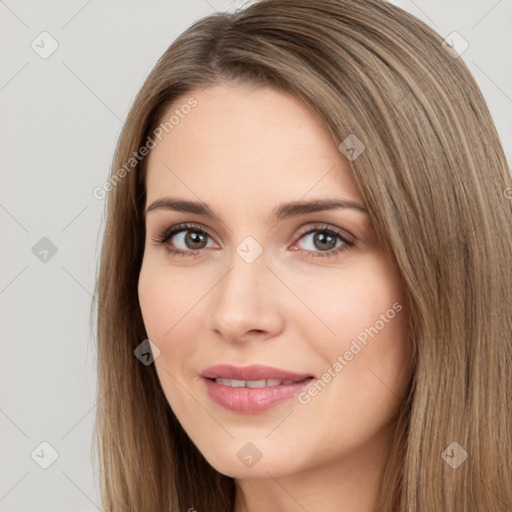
x=245 y=460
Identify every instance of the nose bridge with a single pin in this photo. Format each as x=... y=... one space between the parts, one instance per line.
x=243 y=283
x=243 y=299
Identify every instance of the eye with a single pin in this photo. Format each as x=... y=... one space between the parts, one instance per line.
x=324 y=241
x=188 y=240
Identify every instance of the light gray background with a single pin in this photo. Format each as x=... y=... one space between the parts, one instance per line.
x=61 y=117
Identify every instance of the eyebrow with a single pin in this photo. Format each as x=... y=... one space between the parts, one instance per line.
x=282 y=211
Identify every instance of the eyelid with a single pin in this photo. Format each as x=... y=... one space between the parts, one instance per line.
x=162 y=236
x=319 y=226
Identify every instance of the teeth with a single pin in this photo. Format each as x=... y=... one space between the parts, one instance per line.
x=253 y=383
x=256 y=383
x=232 y=383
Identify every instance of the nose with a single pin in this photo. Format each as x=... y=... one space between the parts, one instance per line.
x=247 y=302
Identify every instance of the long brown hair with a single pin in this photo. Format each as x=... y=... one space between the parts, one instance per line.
x=435 y=180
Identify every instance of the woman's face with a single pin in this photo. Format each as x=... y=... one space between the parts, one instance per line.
x=257 y=277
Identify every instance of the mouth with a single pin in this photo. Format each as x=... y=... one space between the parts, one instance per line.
x=252 y=373
x=252 y=389
x=255 y=384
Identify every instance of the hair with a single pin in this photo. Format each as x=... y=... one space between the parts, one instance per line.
x=437 y=186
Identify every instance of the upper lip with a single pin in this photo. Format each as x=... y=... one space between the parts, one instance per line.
x=251 y=372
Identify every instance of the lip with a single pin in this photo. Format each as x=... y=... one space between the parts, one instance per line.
x=251 y=372
x=252 y=400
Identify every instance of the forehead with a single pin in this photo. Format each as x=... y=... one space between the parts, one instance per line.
x=239 y=143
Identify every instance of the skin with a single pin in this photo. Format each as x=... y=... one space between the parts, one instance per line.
x=243 y=151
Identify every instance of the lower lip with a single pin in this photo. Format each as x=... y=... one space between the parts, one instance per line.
x=252 y=400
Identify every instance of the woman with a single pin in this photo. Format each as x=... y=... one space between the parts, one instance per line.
x=304 y=300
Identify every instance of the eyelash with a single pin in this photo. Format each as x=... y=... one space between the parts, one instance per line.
x=163 y=237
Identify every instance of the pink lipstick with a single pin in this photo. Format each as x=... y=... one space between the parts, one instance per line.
x=253 y=388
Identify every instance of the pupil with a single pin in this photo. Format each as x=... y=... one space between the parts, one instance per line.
x=324 y=241
x=193 y=237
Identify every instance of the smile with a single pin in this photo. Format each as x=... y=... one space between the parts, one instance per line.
x=253 y=388
x=233 y=383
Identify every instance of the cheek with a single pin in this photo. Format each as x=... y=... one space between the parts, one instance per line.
x=344 y=307
x=171 y=311
x=366 y=310
x=165 y=300
x=362 y=383
x=155 y=302
x=161 y=313
x=378 y=324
